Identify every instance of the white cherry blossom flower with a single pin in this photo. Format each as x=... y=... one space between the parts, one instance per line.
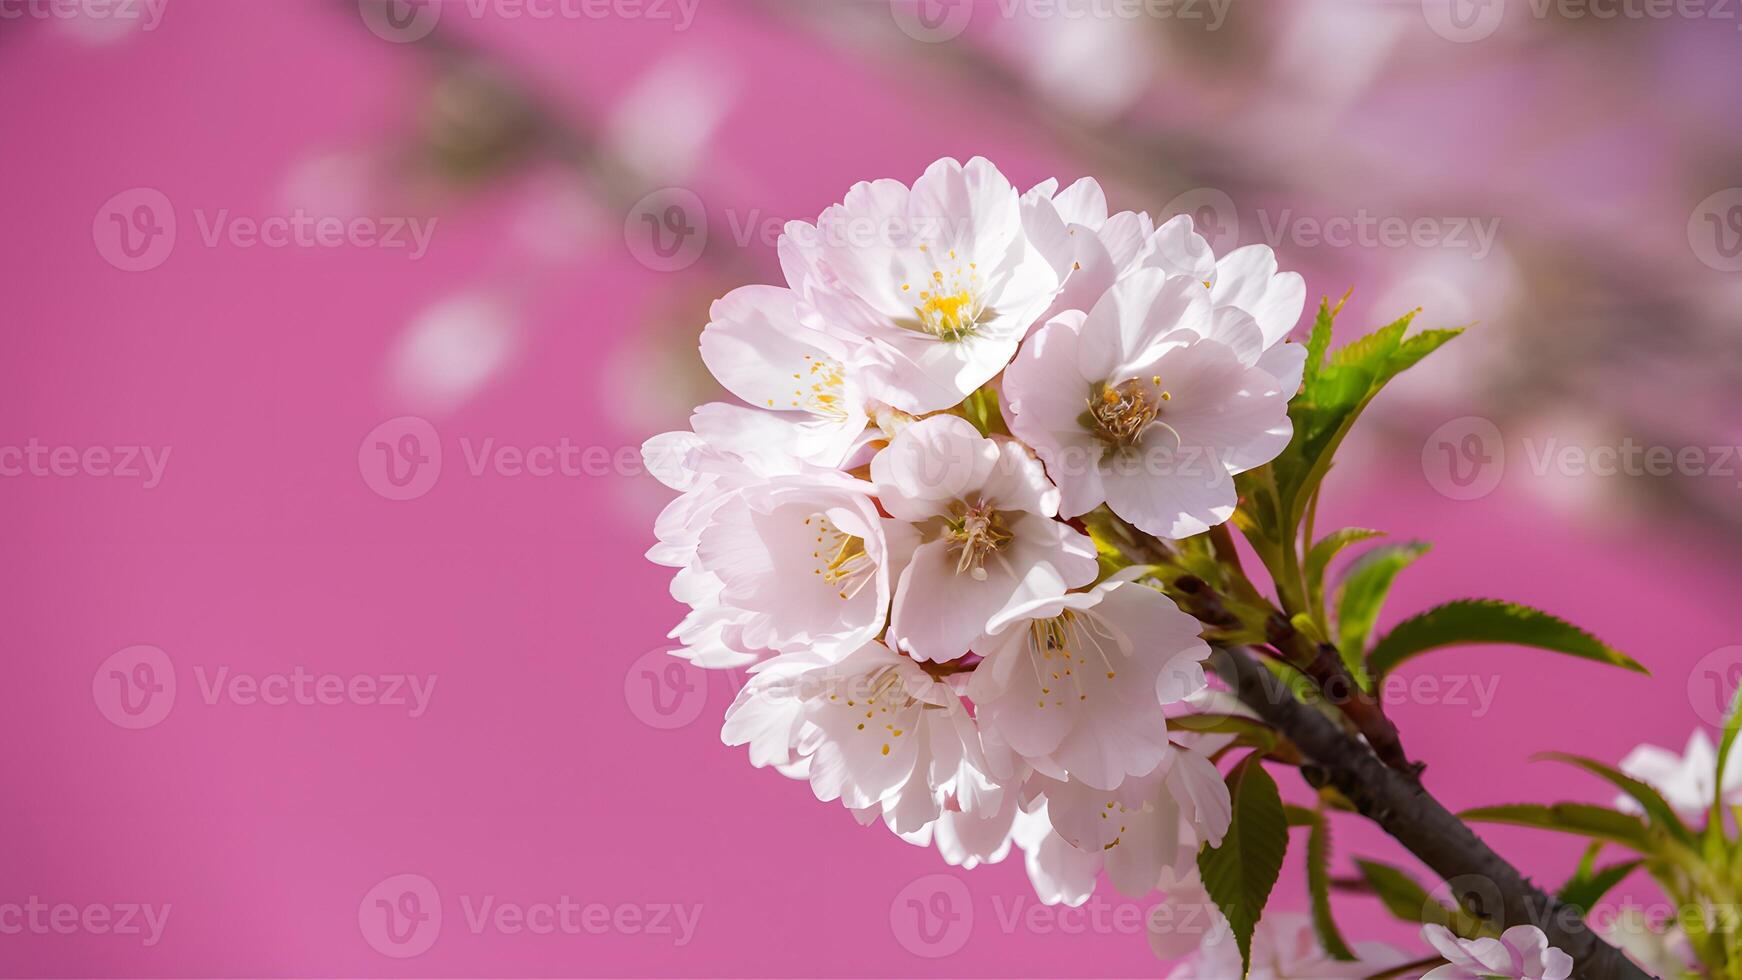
x=1284 y=947
x=923 y=631
x=1075 y=683
x=877 y=731
x=1661 y=948
x=1151 y=403
x=757 y=346
x=1060 y=873
x=1088 y=248
x=1521 y=953
x=1091 y=250
x=1137 y=829
x=984 y=510
x=1186 y=917
x=804 y=562
x=939 y=282
x=729 y=447
x=1685 y=780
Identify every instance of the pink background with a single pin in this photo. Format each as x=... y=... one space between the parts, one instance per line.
x=541 y=767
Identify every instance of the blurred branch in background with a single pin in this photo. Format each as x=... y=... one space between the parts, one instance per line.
x=1592 y=306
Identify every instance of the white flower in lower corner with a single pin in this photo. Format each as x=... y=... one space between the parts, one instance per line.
x=1685 y=780
x=1138 y=829
x=1284 y=947
x=938 y=282
x=1661 y=947
x=1521 y=953
x=757 y=346
x=1151 y=403
x=984 y=512
x=878 y=731
x=1074 y=683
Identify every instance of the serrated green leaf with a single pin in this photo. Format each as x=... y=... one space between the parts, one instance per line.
x=1726 y=742
x=1406 y=899
x=1583 y=819
x=1469 y=621
x=1334 y=391
x=1299 y=816
x=1591 y=884
x=1319 y=557
x=1240 y=874
x=1319 y=340
x=1656 y=807
x=1319 y=888
x=1361 y=596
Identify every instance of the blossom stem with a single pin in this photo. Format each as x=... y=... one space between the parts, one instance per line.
x=1405 y=810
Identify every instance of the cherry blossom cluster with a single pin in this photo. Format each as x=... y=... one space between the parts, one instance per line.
x=886 y=534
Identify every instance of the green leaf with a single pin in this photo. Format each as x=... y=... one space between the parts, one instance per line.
x=1320 y=554
x=1591 y=883
x=1583 y=819
x=1240 y=874
x=1299 y=816
x=981 y=408
x=1319 y=888
x=1489 y=621
x=1361 y=596
x=1656 y=807
x=1732 y=722
x=1334 y=391
x=1334 y=394
x=1319 y=340
x=1406 y=899
x=1248 y=733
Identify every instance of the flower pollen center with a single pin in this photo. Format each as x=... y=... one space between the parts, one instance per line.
x=976 y=535
x=949 y=306
x=841 y=561
x=1120 y=414
x=820 y=388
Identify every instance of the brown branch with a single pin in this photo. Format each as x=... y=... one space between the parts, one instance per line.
x=1324 y=664
x=1319 y=661
x=1402 y=808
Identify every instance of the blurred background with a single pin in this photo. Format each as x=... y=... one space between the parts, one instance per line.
x=331 y=328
